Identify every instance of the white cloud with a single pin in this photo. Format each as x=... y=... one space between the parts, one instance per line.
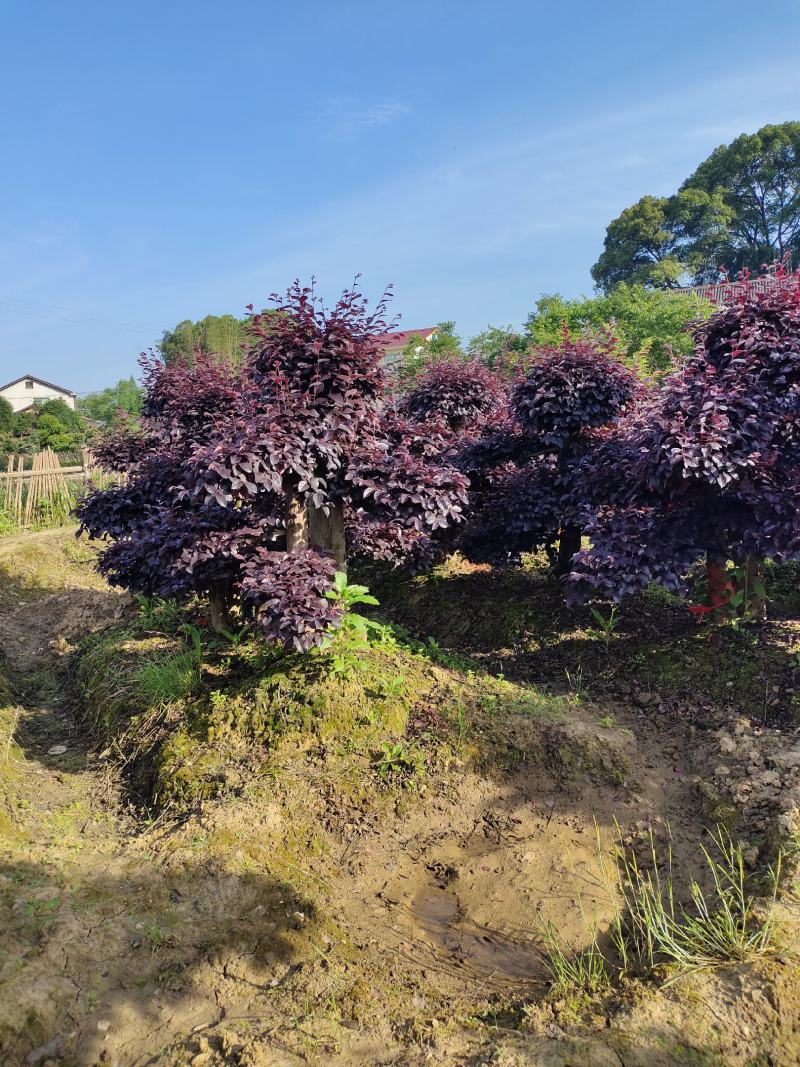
x=346 y=118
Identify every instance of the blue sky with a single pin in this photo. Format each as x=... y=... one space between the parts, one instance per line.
x=166 y=160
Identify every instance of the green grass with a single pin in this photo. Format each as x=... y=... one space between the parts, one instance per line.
x=574 y=973
x=728 y=922
x=722 y=924
x=163 y=681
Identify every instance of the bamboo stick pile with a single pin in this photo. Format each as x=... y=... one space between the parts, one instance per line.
x=35 y=496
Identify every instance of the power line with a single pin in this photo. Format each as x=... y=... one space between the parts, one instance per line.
x=74 y=318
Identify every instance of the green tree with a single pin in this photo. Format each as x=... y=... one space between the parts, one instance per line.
x=69 y=418
x=758 y=176
x=651 y=326
x=740 y=208
x=498 y=347
x=663 y=242
x=445 y=345
x=221 y=334
x=104 y=406
x=6 y=416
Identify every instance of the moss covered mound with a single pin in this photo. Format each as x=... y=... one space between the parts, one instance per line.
x=192 y=718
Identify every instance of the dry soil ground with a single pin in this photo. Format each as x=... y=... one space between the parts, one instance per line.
x=296 y=923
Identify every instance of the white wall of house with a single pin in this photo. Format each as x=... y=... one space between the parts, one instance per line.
x=27 y=391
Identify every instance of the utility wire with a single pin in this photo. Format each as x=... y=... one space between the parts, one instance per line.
x=74 y=318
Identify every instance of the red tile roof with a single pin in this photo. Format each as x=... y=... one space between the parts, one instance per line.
x=400 y=338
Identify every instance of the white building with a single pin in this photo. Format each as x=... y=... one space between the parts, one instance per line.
x=28 y=390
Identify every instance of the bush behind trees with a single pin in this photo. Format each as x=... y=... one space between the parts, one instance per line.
x=653 y=328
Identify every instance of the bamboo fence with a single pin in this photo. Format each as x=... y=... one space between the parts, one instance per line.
x=40 y=494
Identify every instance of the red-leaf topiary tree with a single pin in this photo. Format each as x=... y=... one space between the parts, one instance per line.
x=255 y=496
x=523 y=473
x=709 y=467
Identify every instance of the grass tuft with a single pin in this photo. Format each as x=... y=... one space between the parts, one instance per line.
x=169 y=678
x=727 y=923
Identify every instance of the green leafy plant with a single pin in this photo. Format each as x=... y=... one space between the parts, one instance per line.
x=195 y=637
x=355 y=633
x=398 y=760
x=606 y=626
x=235 y=637
x=41 y=912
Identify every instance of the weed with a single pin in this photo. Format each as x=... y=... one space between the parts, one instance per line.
x=195 y=637
x=606 y=626
x=581 y=972
x=399 y=760
x=355 y=633
x=575 y=683
x=720 y=926
x=155 y=613
x=41 y=912
x=155 y=934
x=233 y=638
x=607 y=721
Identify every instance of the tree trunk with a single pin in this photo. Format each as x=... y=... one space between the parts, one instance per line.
x=220 y=597
x=309 y=527
x=296 y=520
x=569 y=542
x=720 y=586
x=326 y=532
x=755 y=603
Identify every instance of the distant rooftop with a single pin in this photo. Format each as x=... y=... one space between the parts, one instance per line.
x=400 y=338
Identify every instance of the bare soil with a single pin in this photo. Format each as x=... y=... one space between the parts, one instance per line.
x=305 y=921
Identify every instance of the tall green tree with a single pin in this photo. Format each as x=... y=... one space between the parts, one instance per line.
x=740 y=208
x=222 y=335
x=6 y=416
x=498 y=347
x=106 y=404
x=651 y=325
x=758 y=176
x=419 y=354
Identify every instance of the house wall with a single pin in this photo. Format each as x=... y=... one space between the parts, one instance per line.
x=19 y=397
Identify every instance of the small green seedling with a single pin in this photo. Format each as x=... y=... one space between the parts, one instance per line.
x=397 y=760
x=355 y=633
x=606 y=626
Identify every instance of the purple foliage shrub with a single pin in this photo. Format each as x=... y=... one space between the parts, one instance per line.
x=463 y=394
x=710 y=466
x=522 y=473
x=250 y=486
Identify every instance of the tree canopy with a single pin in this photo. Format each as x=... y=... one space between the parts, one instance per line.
x=498 y=347
x=739 y=209
x=220 y=335
x=708 y=465
x=651 y=326
x=52 y=424
x=106 y=405
x=252 y=485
